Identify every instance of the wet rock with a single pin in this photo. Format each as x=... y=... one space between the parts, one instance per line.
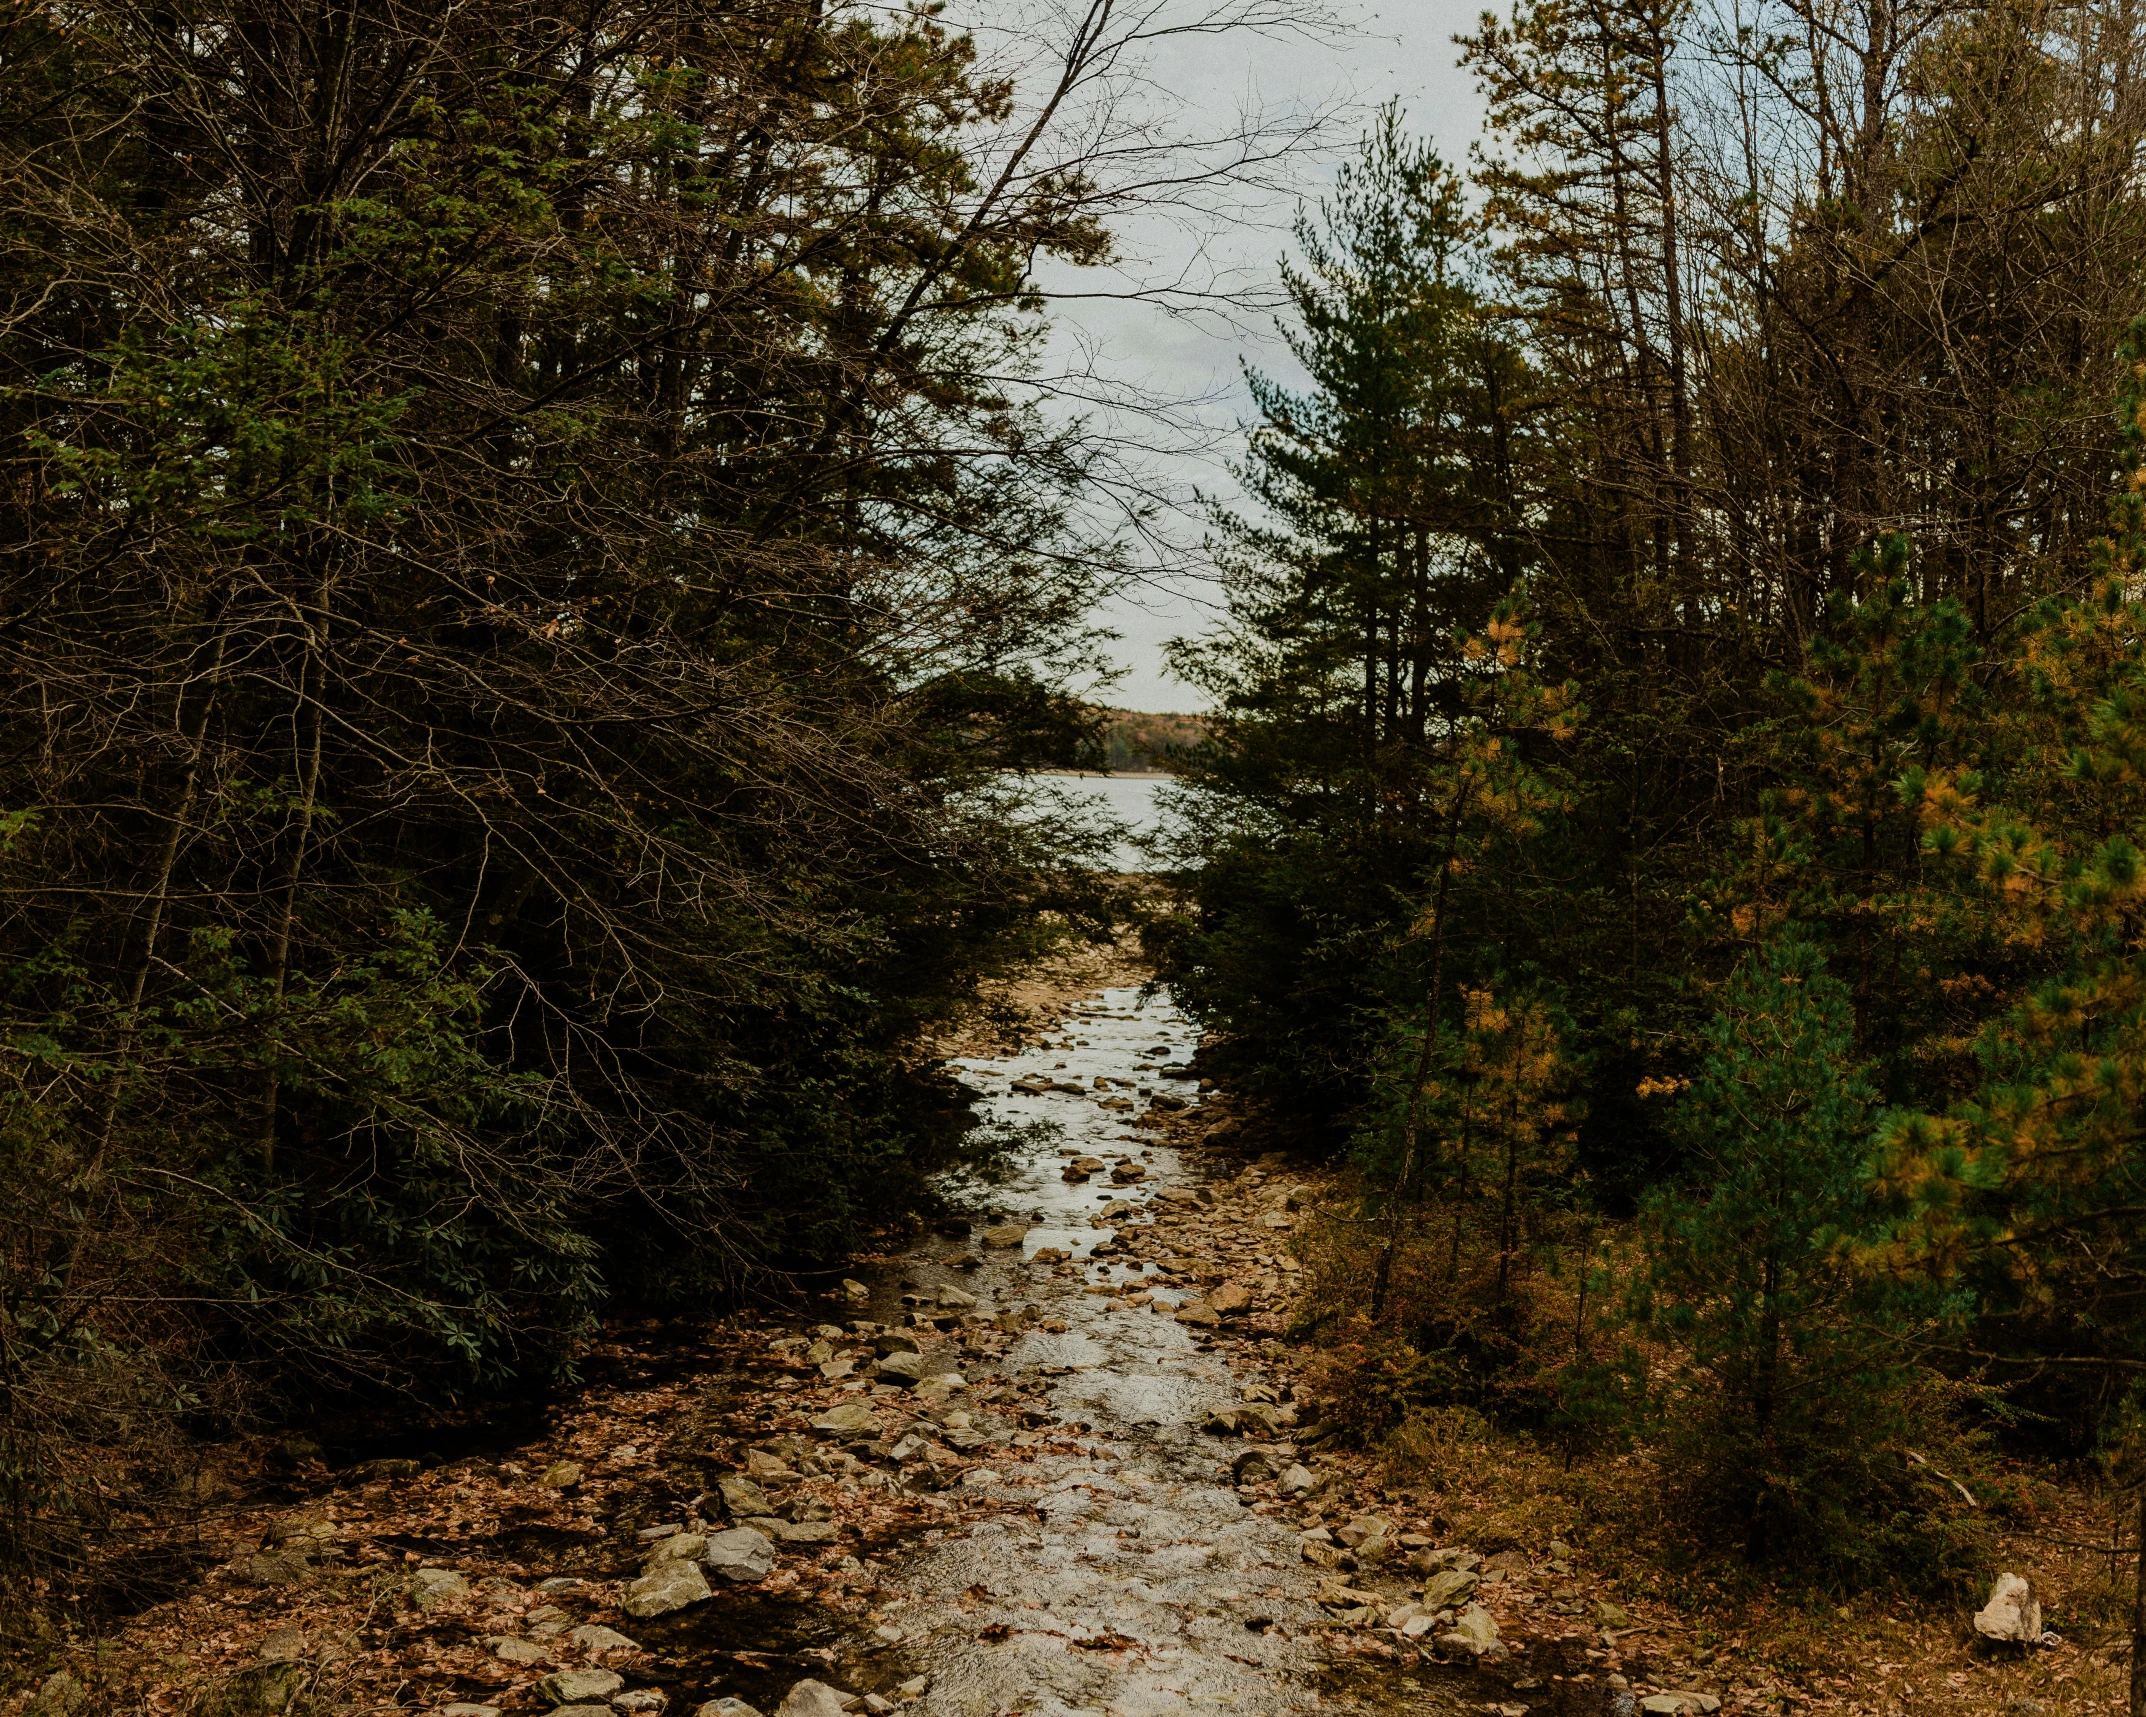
x=851 y=1419
x=1126 y=1173
x=432 y=1587
x=672 y=1583
x=592 y=1636
x=1450 y=1589
x=2013 y=1613
x=814 y=1699
x=855 y=1292
x=574 y=1686
x=1049 y=1255
x=741 y=1555
x=1011 y=1234
x=954 y=1299
x=1198 y=1313
x=560 y=1475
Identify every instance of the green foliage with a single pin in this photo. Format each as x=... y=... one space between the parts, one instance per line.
x=1790 y=1356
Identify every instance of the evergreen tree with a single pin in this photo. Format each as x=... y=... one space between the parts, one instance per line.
x=1794 y=1368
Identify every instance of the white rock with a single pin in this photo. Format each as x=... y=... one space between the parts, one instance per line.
x=2012 y=1614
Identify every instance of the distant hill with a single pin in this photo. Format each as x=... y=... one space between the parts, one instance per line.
x=1133 y=740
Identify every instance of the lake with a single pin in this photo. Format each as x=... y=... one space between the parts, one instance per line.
x=1130 y=799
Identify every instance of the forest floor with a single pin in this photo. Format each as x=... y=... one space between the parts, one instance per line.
x=1047 y=1461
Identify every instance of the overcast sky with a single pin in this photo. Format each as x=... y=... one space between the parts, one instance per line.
x=1402 y=52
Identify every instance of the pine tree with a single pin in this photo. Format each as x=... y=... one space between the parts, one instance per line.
x=1784 y=1367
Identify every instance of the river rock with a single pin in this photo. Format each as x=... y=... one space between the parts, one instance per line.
x=813 y=1699
x=576 y=1686
x=1126 y=1173
x=672 y=1583
x=741 y=1555
x=954 y=1299
x=851 y=1419
x=2013 y=1613
x=1199 y=1314
x=432 y=1587
x=901 y=1367
x=1008 y=1234
x=1362 y=1527
x=1476 y=1632
x=741 y=1497
x=1449 y=1590
x=1230 y=1297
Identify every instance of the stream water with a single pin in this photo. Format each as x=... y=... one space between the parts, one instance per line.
x=1130 y=1579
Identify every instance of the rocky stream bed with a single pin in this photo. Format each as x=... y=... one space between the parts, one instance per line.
x=1044 y=1462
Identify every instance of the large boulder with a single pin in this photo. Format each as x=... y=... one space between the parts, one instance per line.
x=2013 y=1614
x=741 y=1555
